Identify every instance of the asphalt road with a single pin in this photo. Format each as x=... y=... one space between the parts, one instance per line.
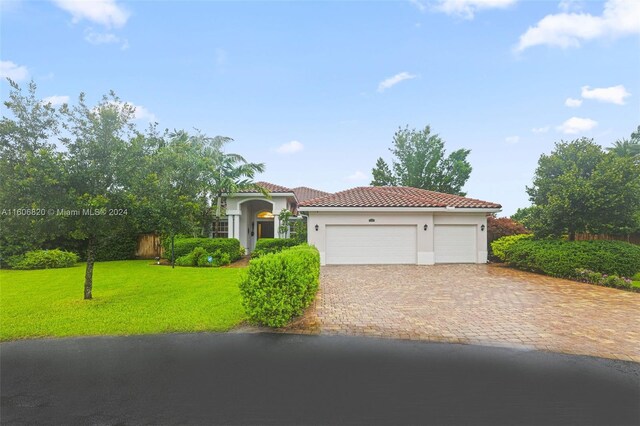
x=287 y=379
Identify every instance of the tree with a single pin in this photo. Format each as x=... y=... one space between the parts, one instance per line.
x=382 y=175
x=33 y=173
x=524 y=215
x=229 y=174
x=627 y=147
x=419 y=161
x=97 y=148
x=579 y=188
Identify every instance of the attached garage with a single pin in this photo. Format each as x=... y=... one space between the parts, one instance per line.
x=365 y=245
x=455 y=243
x=397 y=225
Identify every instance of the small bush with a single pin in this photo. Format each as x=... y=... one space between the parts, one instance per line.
x=44 y=259
x=271 y=245
x=499 y=246
x=200 y=257
x=184 y=246
x=279 y=286
x=561 y=258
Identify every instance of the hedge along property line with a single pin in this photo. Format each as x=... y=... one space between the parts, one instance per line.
x=184 y=246
x=563 y=258
x=279 y=286
x=272 y=245
x=43 y=259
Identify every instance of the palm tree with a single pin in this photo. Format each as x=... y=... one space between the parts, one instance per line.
x=625 y=148
x=229 y=174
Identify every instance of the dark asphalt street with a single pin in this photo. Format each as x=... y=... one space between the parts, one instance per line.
x=279 y=379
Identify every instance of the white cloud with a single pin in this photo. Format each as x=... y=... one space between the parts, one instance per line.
x=573 y=103
x=512 y=139
x=467 y=8
x=105 y=38
x=619 y=18
x=544 y=129
x=56 y=100
x=104 y=12
x=392 y=81
x=419 y=5
x=614 y=94
x=358 y=176
x=577 y=125
x=290 y=147
x=13 y=71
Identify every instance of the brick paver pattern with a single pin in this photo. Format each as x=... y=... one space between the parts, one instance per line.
x=476 y=304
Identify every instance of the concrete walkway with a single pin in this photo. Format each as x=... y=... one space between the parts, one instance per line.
x=479 y=304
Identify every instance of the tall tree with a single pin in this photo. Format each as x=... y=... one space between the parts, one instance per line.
x=33 y=173
x=97 y=148
x=579 y=188
x=420 y=161
x=627 y=147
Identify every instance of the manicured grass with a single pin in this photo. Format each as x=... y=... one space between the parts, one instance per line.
x=130 y=297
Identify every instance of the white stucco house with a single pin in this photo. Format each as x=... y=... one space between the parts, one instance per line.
x=370 y=225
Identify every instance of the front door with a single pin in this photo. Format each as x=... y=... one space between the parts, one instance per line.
x=265 y=229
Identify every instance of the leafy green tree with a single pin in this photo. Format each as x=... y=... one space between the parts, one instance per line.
x=33 y=173
x=97 y=148
x=382 y=175
x=420 y=161
x=524 y=215
x=579 y=188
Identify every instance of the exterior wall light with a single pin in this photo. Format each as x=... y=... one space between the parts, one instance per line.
x=482 y=227
x=317 y=227
x=372 y=220
x=426 y=227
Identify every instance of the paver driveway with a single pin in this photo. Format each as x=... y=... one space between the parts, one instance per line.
x=480 y=304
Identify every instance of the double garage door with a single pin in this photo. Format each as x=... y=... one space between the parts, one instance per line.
x=396 y=244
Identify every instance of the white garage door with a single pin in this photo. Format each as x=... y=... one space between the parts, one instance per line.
x=455 y=243
x=374 y=244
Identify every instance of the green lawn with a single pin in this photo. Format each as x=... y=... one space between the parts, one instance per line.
x=130 y=297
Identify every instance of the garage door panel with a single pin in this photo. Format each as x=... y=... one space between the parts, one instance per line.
x=455 y=243
x=375 y=244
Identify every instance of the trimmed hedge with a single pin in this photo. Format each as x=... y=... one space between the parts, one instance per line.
x=499 y=246
x=184 y=246
x=279 y=286
x=272 y=245
x=563 y=258
x=43 y=259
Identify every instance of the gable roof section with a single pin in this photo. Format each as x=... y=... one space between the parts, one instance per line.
x=396 y=196
x=304 y=193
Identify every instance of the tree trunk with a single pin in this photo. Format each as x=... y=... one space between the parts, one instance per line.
x=572 y=235
x=218 y=209
x=88 y=276
x=173 y=258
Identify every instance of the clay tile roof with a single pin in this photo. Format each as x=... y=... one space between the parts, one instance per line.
x=304 y=193
x=395 y=196
x=271 y=187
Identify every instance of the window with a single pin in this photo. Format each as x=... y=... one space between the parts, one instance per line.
x=223 y=229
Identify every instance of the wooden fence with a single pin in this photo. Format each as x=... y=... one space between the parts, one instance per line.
x=149 y=246
x=630 y=238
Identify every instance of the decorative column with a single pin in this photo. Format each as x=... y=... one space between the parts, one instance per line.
x=276 y=226
x=230 y=226
x=236 y=226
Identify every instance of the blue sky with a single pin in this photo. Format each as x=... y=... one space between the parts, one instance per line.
x=316 y=90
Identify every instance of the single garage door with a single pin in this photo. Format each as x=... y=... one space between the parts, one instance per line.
x=455 y=243
x=373 y=244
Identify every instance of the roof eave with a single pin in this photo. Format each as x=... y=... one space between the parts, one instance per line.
x=402 y=209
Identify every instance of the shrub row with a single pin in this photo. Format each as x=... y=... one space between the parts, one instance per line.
x=279 y=286
x=43 y=259
x=200 y=257
x=272 y=245
x=560 y=258
x=591 y=277
x=184 y=246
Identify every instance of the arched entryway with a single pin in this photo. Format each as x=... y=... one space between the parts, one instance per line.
x=257 y=220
